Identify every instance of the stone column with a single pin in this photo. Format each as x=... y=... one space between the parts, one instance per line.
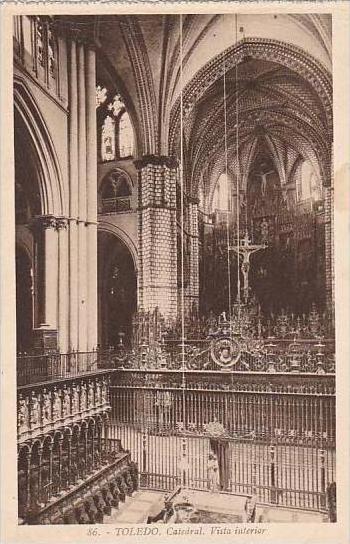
x=329 y=249
x=91 y=180
x=157 y=235
x=73 y=197
x=82 y=207
x=46 y=243
x=51 y=270
x=63 y=302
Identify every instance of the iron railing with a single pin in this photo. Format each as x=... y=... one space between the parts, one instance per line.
x=33 y=369
x=280 y=445
x=265 y=355
x=274 y=433
x=116 y=205
x=272 y=356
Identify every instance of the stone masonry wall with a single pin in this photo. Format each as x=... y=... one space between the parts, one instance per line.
x=157 y=235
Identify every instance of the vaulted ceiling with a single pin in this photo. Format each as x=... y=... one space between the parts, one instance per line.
x=277 y=78
x=267 y=106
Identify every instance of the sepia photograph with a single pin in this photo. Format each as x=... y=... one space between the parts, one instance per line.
x=173 y=178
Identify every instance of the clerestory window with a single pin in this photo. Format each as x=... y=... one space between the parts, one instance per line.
x=116 y=130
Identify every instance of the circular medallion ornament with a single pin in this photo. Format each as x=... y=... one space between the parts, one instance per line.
x=225 y=352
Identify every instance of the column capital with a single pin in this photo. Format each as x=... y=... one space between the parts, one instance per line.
x=156 y=160
x=61 y=223
x=80 y=30
x=43 y=222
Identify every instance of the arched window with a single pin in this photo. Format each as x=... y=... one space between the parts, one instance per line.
x=108 y=139
x=308 y=186
x=221 y=194
x=117 y=135
x=101 y=95
x=116 y=105
x=201 y=196
x=126 y=136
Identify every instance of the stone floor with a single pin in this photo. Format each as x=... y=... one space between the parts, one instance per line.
x=270 y=514
x=137 y=508
x=229 y=509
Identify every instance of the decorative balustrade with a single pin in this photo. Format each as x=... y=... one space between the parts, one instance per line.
x=245 y=342
x=223 y=353
x=41 y=410
x=152 y=326
x=34 y=368
x=217 y=352
x=116 y=205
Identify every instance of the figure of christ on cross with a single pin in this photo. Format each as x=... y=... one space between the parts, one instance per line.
x=245 y=249
x=263 y=176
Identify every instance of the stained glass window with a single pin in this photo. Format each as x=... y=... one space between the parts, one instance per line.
x=116 y=105
x=126 y=136
x=220 y=200
x=309 y=186
x=117 y=136
x=108 y=139
x=201 y=196
x=101 y=95
x=315 y=187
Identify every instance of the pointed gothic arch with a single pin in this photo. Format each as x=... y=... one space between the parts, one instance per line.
x=117 y=287
x=42 y=150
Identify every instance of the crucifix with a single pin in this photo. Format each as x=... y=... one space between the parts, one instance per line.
x=263 y=176
x=245 y=249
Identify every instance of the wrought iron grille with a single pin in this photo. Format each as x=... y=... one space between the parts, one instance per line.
x=279 y=445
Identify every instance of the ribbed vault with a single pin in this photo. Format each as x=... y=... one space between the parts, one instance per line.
x=278 y=84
